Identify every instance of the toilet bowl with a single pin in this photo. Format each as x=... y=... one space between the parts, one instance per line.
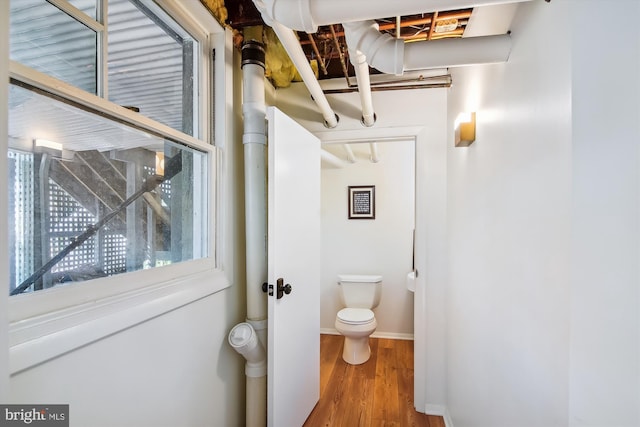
x=356 y=324
x=360 y=294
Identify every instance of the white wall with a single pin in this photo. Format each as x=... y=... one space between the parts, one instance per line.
x=542 y=302
x=175 y=370
x=605 y=244
x=381 y=246
x=509 y=203
x=4 y=280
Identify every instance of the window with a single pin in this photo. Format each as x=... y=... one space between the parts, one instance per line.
x=46 y=39
x=149 y=64
x=96 y=190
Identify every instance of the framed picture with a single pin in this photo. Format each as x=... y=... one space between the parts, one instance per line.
x=362 y=201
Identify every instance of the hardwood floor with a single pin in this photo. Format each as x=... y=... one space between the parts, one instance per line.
x=376 y=393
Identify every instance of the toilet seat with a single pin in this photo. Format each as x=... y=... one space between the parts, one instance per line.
x=356 y=316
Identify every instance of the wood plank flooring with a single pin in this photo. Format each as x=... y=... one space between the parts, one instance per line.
x=374 y=394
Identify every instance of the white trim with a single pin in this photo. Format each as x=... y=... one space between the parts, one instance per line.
x=223 y=87
x=329 y=331
x=192 y=16
x=370 y=135
x=448 y=422
x=389 y=335
x=65 y=300
x=42 y=338
x=392 y=335
x=58 y=87
x=440 y=411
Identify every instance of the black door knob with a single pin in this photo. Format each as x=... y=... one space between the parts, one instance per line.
x=282 y=288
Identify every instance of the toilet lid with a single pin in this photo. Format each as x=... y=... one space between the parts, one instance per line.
x=355 y=316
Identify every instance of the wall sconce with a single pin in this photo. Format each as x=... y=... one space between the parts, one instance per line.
x=159 y=163
x=45 y=143
x=52 y=148
x=465 y=129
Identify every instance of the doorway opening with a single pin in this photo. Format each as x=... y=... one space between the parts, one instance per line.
x=384 y=245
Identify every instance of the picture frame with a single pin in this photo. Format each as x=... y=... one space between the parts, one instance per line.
x=362 y=201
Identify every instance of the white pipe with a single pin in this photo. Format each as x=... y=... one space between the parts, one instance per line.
x=244 y=339
x=307 y=15
x=359 y=61
x=247 y=338
x=299 y=59
x=254 y=140
x=456 y=52
x=292 y=45
x=256 y=413
x=393 y=56
x=332 y=159
x=374 y=152
x=383 y=52
x=350 y=156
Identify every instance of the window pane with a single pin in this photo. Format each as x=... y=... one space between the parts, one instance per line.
x=48 y=40
x=151 y=64
x=98 y=198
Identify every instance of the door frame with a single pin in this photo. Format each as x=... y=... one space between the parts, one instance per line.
x=431 y=259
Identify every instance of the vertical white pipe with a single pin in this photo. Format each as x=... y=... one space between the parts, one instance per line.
x=254 y=141
x=256 y=414
x=374 y=152
x=359 y=62
x=350 y=156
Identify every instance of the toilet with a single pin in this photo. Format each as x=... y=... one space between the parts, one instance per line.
x=360 y=294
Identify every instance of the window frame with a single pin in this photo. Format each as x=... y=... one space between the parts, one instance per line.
x=50 y=322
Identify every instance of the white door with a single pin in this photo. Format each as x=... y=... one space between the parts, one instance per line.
x=293 y=382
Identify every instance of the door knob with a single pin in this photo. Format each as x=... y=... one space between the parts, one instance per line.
x=282 y=288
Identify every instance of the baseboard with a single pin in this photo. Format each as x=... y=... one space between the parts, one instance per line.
x=389 y=335
x=441 y=411
x=393 y=336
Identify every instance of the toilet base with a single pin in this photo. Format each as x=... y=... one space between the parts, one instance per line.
x=356 y=350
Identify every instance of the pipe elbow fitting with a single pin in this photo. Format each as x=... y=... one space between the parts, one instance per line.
x=382 y=51
x=293 y=14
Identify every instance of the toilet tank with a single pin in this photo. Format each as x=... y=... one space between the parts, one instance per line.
x=360 y=291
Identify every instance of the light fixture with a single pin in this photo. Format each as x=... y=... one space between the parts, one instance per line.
x=159 y=163
x=45 y=143
x=465 y=129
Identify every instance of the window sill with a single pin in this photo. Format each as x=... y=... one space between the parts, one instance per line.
x=38 y=339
